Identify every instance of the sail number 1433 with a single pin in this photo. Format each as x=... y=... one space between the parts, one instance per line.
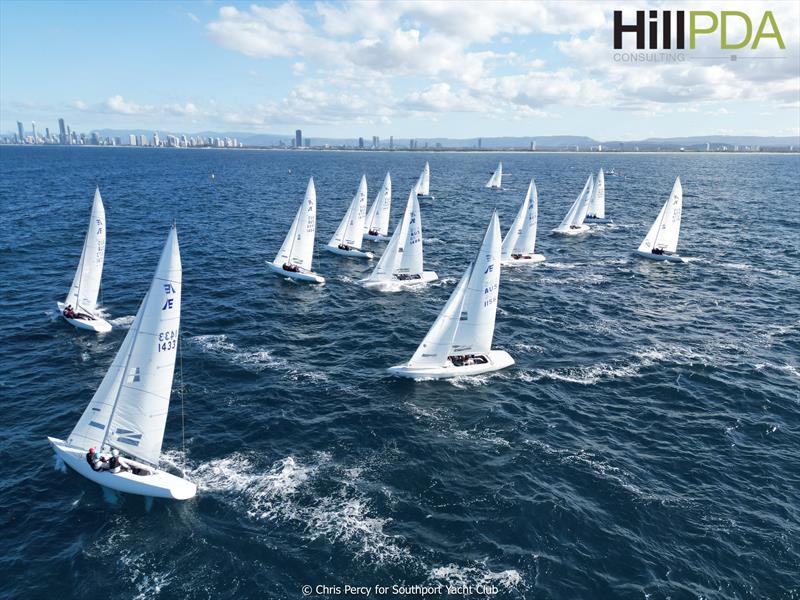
x=167 y=340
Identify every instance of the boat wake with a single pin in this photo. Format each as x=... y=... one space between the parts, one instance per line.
x=122 y=322
x=478 y=575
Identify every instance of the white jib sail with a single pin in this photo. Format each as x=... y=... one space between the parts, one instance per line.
x=665 y=229
x=496 y=180
x=129 y=408
x=574 y=210
x=597 y=206
x=378 y=215
x=403 y=253
x=466 y=323
x=351 y=230
x=516 y=229
x=424 y=181
x=298 y=247
x=526 y=243
x=588 y=192
x=82 y=295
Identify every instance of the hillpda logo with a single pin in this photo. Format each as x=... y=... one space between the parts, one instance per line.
x=681 y=30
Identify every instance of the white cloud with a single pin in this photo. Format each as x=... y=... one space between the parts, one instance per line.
x=117 y=104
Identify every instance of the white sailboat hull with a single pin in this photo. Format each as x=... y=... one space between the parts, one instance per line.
x=393 y=285
x=581 y=229
x=97 y=324
x=376 y=238
x=530 y=259
x=661 y=257
x=597 y=220
x=308 y=276
x=497 y=359
x=159 y=484
x=352 y=253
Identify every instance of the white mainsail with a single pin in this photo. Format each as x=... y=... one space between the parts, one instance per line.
x=82 y=295
x=378 y=215
x=351 y=230
x=129 y=408
x=664 y=231
x=403 y=254
x=298 y=247
x=577 y=212
x=597 y=205
x=496 y=180
x=466 y=323
x=424 y=181
x=521 y=236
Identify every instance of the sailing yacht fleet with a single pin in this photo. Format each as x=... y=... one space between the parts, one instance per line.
x=128 y=411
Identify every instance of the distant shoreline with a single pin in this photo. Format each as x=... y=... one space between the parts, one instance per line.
x=418 y=150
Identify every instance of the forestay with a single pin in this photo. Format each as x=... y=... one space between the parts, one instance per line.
x=378 y=215
x=664 y=231
x=129 y=408
x=298 y=247
x=83 y=293
x=351 y=230
x=466 y=323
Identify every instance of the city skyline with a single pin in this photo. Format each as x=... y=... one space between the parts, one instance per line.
x=344 y=70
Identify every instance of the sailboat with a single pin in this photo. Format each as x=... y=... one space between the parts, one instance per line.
x=128 y=412
x=496 y=180
x=82 y=296
x=297 y=252
x=401 y=263
x=460 y=340
x=424 y=183
x=350 y=233
x=376 y=225
x=596 y=211
x=661 y=242
x=519 y=245
x=573 y=222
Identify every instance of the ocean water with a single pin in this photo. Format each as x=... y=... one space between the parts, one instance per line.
x=645 y=445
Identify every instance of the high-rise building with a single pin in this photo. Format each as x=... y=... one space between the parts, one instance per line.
x=132 y=140
x=307 y=142
x=361 y=142
x=376 y=141
x=95 y=139
x=47 y=134
x=480 y=143
x=21 y=132
x=298 y=139
x=143 y=140
x=33 y=126
x=156 y=140
x=391 y=142
x=62 y=133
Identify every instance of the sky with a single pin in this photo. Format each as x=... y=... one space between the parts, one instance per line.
x=408 y=68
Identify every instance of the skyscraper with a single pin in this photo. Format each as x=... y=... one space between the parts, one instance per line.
x=156 y=140
x=131 y=139
x=361 y=142
x=391 y=142
x=376 y=141
x=298 y=139
x=33 y=126
x=62 y=132
x=21 y=132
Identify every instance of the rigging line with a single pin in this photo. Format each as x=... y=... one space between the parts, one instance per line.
x=181 y=390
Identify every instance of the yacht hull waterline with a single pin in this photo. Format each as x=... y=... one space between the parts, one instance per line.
x=579 y=230
x=523 y=261
x=496 y=360
x=299 y=276
x=398 y=284
x=97 y=324
x=159 y=484
x=352 y=253
x=661 y=257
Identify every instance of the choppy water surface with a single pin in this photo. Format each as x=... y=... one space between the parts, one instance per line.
x=645 y=445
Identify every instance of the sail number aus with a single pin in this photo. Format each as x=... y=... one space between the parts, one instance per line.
x=167 y=340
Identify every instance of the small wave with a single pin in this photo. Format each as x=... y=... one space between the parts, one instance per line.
x=433 y=240
x=476 y=576
x=122 y=322
x=254 y=360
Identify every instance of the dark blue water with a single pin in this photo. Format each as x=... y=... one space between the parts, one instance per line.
x=645 y=445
